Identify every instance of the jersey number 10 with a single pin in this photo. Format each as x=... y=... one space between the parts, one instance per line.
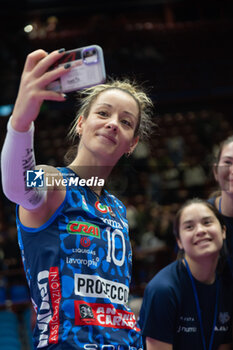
x=111 y=256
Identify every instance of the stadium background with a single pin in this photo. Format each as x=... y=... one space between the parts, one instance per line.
x=182 y=52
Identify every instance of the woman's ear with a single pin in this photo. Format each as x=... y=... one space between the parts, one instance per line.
x=133 y=144
x=179 y=243
x=79 y=125
x=215 y=171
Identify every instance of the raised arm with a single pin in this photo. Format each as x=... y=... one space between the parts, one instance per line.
x=17 y=154
x=32 y=91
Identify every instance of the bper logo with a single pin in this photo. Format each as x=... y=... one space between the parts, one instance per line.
x=35 y=178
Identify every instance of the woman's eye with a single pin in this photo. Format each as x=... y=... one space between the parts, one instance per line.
x=189 y=227
x=103 y=113
x=126 y=122
x=207 y=222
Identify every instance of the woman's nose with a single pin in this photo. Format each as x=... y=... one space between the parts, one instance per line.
x=201 y=230
x=112 y=124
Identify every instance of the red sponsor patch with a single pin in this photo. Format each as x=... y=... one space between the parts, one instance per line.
x=105 y=315
x=55 y=292
x=85 y=242
x=83 y=228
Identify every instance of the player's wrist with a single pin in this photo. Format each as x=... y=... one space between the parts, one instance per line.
x=18 y=126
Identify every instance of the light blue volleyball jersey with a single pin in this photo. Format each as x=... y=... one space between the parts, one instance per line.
x=78 y=267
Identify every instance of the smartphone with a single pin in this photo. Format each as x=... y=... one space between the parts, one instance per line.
x=88 y=69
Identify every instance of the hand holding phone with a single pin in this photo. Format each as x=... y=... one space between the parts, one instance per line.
x=87 y=69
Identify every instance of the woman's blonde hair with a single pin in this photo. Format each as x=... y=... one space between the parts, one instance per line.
x=145 y=105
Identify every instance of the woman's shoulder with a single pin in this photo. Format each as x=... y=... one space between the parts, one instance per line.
x=115 y=202
x=167 y=278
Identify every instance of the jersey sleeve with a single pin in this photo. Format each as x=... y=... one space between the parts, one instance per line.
x=158 y=313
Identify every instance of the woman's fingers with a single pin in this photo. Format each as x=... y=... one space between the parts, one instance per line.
x=38 y=62
x=33 y=58
x=44 y=64
x=33 y=86
x=37 y=68
x=52 y=96
x=53 y=75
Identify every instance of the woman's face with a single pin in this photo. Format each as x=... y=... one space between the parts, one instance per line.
x=108 y=131
x=201 y=234
x=224 y=170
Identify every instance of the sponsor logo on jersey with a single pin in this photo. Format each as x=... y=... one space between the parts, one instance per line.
x=85 y=312
x=105 y=315
x=83 y=251
x=85 y=242
x=83 y=228
x=86 y=262
x=48 y=319
x=44 y=314
x=97 y=287
x=103 y=208
x=55 y=292
x=112 y=223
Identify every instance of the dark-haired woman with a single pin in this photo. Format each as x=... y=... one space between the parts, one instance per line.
x=188 y=305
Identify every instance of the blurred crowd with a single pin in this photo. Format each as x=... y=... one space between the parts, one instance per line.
x=176 y=164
